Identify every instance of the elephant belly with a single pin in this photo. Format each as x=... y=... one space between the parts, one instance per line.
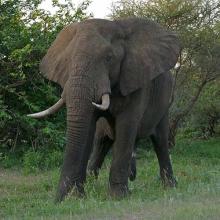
x=157 y=106
x=148 y=124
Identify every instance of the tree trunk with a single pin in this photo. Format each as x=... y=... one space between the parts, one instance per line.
x=174 y=123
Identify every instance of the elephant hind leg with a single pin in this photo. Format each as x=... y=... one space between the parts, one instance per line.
x=160 y=142
x=100 y=149
x=132 y=169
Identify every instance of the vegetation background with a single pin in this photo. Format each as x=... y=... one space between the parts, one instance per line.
x=30 y=146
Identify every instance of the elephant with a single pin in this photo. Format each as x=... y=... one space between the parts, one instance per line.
x=103 y=141
x=119 y=70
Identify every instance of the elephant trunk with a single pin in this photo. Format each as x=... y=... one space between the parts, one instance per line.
x=80 y=132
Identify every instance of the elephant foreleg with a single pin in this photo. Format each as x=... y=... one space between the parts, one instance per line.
x=126 y=131
x=160 y=142
x=73 y=172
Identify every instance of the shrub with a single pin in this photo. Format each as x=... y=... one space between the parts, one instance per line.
x=34 y=161
x=24 y=39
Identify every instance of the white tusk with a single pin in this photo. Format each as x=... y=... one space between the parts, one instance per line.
x=105 y=103
x=48 y=111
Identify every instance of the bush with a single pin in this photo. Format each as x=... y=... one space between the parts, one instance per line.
x=203 y=122
x=24 y=39
x=9 y=160
x=34 y=161
x=205 y=117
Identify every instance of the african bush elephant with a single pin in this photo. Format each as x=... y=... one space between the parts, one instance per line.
x=118 y=70
x=103 y=142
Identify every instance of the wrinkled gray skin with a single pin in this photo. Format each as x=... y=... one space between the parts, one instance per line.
x=130 y=60
x=103 y=142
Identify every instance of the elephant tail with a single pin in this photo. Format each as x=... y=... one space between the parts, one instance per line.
x=54 y=108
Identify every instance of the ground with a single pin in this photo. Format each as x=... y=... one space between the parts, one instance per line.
x=196 y=166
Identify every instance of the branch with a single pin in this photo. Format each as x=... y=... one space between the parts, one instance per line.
x=191 y=103
x=16 y=84
x=213 y=78
x=175 y=80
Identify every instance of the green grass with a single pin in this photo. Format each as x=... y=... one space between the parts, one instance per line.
x=196 y=166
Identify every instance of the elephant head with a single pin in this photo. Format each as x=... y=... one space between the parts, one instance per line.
x=89 y=60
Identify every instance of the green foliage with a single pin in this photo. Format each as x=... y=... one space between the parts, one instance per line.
x=26 y=31
x=204 y=120
x=205 y=117
x=34 y=161
x=9 y=160
x=199 y=149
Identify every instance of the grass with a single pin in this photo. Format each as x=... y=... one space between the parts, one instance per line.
x=196 y=166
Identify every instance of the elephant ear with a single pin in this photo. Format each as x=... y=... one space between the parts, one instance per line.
x=150 y=50
x=55 y=63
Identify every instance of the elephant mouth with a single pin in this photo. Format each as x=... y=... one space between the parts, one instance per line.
x=60 y=103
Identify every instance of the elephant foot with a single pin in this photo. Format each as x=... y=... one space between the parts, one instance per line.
x=119 y=191
x=93 y=172
x=132 y=175
x=77 y=191
x=169 y=181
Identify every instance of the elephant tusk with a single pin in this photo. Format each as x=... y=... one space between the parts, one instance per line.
x=105 y=103
x=48 y=111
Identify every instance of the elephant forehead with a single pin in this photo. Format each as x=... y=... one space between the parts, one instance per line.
x=91 y=42
x=107 y=29
x=102 y=25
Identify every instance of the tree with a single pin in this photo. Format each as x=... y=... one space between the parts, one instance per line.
x=197 y=23
x=204 y=121
x=26 y=31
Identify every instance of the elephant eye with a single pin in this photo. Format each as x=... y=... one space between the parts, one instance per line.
x=108 y=58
